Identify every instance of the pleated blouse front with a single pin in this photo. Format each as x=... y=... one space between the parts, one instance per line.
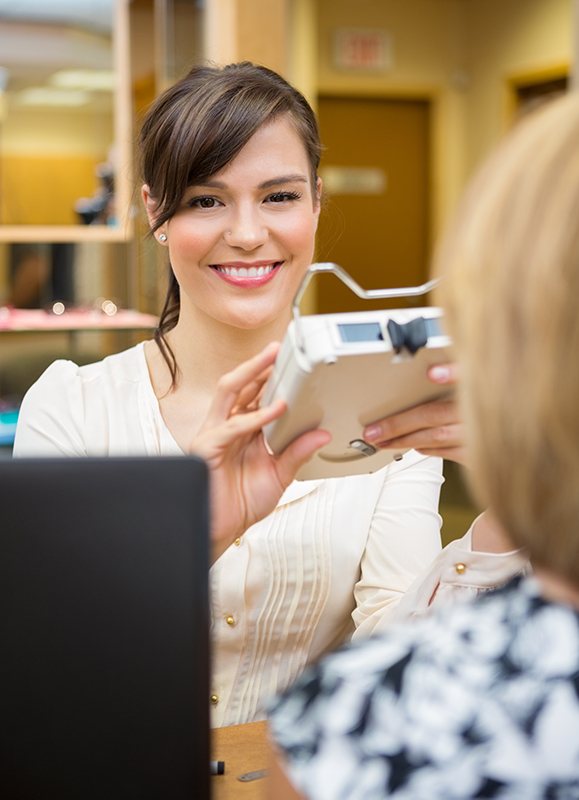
x=332 y=560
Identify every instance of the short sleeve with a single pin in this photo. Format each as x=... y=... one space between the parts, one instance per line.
x=51 y=419
x=459 y=573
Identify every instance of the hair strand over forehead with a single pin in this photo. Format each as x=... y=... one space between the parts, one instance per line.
x=198 y=126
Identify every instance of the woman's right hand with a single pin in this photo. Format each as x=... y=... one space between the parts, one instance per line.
x=246 y=480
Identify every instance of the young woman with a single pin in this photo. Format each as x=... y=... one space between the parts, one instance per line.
x=481 y=700
x=229 y=158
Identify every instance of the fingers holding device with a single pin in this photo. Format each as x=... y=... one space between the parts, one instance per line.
x=432 y=428
x=246 y=480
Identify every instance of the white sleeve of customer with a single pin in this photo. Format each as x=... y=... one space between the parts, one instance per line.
x=458 y=574
x=404 y=538
x=50 y=422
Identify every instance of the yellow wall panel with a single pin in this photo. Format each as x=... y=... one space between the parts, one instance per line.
x=42 y=191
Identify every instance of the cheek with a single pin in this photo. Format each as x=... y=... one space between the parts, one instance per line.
x=299 y=234
x=188 y=245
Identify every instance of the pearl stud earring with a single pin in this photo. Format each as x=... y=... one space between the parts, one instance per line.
x=162 y=237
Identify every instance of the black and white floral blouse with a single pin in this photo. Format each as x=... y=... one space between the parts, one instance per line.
x=479 y=700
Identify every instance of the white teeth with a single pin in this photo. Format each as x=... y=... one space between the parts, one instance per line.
x=244 y=272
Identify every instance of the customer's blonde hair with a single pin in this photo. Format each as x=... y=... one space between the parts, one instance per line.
x=511 y=290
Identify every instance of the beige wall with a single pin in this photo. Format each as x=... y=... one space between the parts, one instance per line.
x=303 y=48
x=460 y=53
x=248 y=30
x=428 y=45
x=427 y=38
x=506 y=40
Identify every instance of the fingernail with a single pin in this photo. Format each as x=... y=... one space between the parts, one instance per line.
x=439 y=374
x=372 y=432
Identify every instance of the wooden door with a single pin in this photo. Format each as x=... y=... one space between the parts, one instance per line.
x=375 y=222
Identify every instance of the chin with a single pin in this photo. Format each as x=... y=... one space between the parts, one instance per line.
x=251 y=325
x=253 y=322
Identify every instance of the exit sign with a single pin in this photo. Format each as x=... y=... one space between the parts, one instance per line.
x=363 y=49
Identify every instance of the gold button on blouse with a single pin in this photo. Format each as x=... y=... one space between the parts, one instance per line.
x=214 y=699
x=460 y=568
x=237 y=542
x=230 y=620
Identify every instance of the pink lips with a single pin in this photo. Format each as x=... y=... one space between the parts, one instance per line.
x=247 y=275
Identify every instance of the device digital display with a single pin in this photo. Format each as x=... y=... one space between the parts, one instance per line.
x=361 y=332
x=433 y=326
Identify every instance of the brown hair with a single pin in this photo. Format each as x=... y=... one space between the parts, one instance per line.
x=511 y=288
x=197 y=127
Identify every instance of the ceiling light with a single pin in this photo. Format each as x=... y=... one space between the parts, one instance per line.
x=96 y=80
x=41 y=96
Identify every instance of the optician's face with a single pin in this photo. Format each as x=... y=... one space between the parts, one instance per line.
x=241 y=241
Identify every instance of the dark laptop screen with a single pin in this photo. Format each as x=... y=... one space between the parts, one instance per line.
x=104 y=628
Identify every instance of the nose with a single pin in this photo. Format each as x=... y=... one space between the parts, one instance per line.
x=246 y=230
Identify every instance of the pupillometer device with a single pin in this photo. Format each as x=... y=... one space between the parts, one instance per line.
x=341 y=372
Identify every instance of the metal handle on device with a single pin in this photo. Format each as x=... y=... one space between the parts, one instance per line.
x=365 y=294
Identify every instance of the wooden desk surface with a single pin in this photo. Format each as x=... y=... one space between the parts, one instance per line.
x=243 y=748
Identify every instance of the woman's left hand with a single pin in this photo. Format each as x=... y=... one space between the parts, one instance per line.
x=246 y=480
x=434 y=429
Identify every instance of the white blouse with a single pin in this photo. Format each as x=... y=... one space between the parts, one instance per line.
x=458 y=574
x=333 y=558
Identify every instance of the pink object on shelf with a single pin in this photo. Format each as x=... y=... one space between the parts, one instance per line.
x=36 y=319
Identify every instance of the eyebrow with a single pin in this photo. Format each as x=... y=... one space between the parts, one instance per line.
x=297 y=178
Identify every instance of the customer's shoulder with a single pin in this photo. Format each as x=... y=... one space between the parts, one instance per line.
x=447 y=647
x=493 y=618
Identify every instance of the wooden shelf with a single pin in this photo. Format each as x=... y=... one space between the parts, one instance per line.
x=65 y=233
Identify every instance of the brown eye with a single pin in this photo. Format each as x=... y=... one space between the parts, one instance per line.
x=203 y=202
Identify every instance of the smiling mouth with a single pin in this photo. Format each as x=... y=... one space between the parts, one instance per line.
x=248 y=272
